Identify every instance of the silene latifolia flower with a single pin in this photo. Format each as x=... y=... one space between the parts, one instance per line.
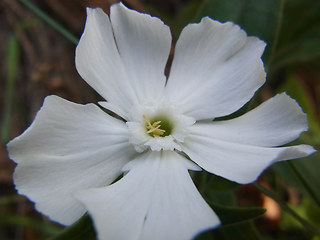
x=71 y=155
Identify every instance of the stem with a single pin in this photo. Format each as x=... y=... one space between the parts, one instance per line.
x=286 y=208
x=51 y=21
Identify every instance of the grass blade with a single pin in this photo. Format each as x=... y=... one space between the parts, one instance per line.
x=51 y=21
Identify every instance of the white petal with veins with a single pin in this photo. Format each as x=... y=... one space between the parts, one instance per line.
x=124 y=60
x=216 y=69
x=237 y=162
x=275 y=122
x=68 y=147
x=156 y=200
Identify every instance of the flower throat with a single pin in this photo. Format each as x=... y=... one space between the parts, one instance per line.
x=158 y=126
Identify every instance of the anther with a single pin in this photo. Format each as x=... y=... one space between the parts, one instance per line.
x=153 y=128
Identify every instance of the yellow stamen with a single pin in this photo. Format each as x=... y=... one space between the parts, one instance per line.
x=154 y=128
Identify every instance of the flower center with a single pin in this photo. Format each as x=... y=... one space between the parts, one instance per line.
x=158 y=126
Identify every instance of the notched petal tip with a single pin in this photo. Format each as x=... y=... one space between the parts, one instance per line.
x=260 y=43
x=293 y=101
x=119 y=8
x=293 y=104
x=92 y=10
x=230 y=24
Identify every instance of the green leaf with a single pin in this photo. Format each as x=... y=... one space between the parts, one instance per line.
x=259 y=18
x=215 y=182
x=81 y=230
x=232 y=215
x=299 y=40
x=304 y=49
x=215 y=188
x=242 y=231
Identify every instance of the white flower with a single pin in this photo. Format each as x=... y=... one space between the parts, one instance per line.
x=70 y=156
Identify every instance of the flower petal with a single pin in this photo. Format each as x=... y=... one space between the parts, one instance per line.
x=236 y=161
x=275 y=122
x=123 y=60
x=99 y=63
x=164 y=203
x=144 y=44
x=216 y=69
x=68 y=147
